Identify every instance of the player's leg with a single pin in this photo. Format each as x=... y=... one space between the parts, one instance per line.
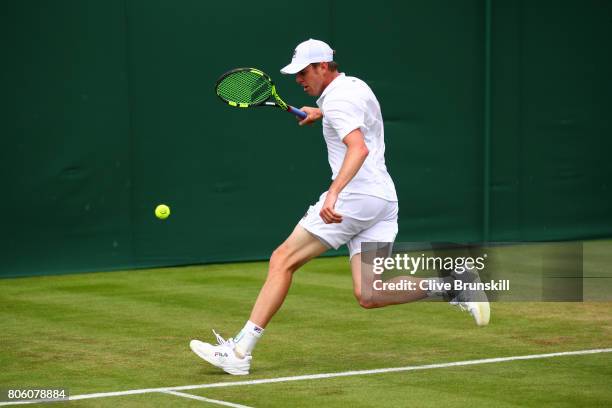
x=383 y=230
x=299 y=248
x=234 y=355
x=369 y=298
x=472 y=301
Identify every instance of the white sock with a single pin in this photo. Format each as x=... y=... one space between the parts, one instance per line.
x=247 y=338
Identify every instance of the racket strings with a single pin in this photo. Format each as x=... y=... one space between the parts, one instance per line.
x=244 y=87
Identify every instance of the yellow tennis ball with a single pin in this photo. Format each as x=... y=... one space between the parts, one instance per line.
x=162 y=211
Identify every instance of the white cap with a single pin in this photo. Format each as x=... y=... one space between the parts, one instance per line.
x=306 y=53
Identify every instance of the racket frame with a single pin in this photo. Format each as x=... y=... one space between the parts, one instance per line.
x=278 y=102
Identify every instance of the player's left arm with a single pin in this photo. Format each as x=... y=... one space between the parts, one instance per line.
x=356 y=154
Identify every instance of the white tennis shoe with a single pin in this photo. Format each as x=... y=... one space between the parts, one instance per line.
x=473 y=301
x=481 y=311
x=222 y=355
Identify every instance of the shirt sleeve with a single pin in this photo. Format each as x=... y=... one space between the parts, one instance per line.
x=344 y=116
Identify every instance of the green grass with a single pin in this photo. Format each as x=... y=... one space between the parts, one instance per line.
x=117 y=331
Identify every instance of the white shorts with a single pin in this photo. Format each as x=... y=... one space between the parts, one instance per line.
x=365 y=218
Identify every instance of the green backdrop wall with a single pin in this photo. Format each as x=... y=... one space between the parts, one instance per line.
x=497 y=125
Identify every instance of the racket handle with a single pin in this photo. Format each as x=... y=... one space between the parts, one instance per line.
x=296 y=112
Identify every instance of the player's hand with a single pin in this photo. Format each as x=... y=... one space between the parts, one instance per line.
x=314 y=114
x=327 y=213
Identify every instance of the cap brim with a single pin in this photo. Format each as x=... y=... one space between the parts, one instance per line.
x=294 y=68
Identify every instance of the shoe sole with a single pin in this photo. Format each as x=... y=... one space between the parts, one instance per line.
x=484 y=311
x=193 y=347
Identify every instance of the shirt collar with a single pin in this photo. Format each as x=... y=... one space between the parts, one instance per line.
x=331 y=86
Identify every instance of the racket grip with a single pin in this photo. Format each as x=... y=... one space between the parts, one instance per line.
x=296 y=112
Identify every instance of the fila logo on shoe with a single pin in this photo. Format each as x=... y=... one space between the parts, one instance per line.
x=218 y=354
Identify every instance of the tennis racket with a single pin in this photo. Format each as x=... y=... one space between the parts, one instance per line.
x=248 y=87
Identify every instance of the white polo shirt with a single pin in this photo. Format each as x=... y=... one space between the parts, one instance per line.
x=348 y=103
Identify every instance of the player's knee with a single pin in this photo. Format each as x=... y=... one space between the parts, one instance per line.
x=277 y=260
x=368 y=304
x=280 y=262
x=365 y=301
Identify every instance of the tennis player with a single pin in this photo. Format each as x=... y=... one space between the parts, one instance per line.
x=359 y=206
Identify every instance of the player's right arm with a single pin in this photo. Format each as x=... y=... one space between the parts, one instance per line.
x=356 y=153
x=314 y=114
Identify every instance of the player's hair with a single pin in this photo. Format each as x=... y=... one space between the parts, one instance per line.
x=332 y=65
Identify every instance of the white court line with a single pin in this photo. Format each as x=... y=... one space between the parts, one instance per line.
x=328 y=375
x=212 y=401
